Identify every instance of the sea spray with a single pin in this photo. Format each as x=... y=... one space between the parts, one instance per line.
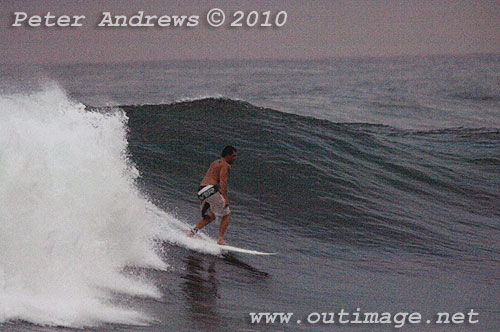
x=71 y=217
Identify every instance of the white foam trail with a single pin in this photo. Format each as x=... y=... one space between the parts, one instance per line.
x=70 y=215
x=175 y=231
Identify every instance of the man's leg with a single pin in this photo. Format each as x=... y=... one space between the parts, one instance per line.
x=202 y=223
x=223 y=226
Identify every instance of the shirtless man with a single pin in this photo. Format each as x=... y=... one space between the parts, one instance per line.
x=213 y=194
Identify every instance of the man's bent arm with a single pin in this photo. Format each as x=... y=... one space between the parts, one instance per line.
x=224 y=173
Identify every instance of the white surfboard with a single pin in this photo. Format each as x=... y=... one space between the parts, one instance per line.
x=203 y=241
x=244 y=251
x=240 y=250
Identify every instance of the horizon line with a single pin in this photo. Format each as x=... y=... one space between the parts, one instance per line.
x=299 y=59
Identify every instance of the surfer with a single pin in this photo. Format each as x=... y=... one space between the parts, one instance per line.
x=213 y=194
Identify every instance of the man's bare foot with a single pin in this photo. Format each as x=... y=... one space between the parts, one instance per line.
x=222 y=242
x=192 y=232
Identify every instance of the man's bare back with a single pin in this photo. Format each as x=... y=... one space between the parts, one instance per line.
x=213 y=173
x=217 y=175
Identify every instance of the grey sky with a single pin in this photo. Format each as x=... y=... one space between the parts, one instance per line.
x=314 y=29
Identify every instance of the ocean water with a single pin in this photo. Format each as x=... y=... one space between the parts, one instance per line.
x=376 y=179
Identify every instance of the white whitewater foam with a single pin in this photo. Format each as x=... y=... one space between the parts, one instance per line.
x=71 y=217
x=199 y=97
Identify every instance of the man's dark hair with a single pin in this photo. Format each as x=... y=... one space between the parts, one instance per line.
x=228 y=150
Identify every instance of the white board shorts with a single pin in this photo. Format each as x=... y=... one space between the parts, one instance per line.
x=216 y=202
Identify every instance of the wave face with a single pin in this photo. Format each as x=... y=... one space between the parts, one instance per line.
x=432 y=194
x=71 y=217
